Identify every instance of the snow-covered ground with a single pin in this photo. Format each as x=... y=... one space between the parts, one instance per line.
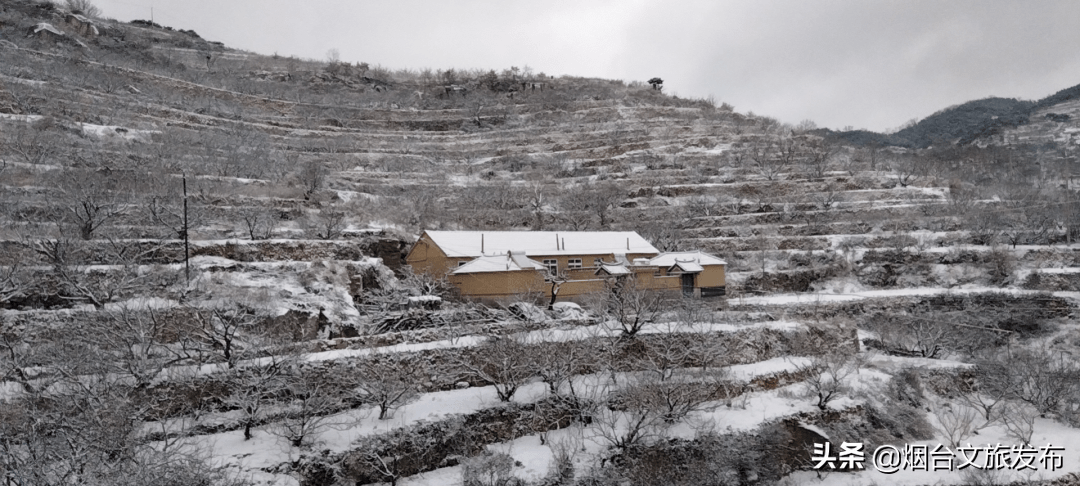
x=753 y=409
x=825 y=297
x=266 y=449
x=112 y=132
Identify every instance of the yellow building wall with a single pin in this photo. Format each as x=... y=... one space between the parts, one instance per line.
x=526 y=284
x=711 y=276
x=664 y=282
x=575 y=288
x=501 y=284
x=426 y=257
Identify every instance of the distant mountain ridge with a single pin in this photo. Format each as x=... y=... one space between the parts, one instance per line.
x=961 y=124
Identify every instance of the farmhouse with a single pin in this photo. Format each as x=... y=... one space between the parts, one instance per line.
x=501 y=265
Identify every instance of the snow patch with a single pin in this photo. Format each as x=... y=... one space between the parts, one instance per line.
x=28 y=82
x=118 y=133
x=22 y=118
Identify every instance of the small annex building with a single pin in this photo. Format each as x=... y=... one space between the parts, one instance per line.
x=505 y=265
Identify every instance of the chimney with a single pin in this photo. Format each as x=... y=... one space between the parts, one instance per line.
x=481 y=244
x=556 y=241
x=564 y=243
x=627 y=243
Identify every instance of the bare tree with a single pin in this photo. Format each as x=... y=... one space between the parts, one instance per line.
x=399 y=457
x=494 y=206
x=700 y=205
x=165 y=206
x=489 y=469
x=84 y=7
x=847 y=161
x=594 y=198
x=537 y=204
x=961 y=196
x=630 y=304
x=136 y=343
x=14 y=283
x=826 y=375
x=680 y=392
x=993 y=385
x=329 y=223
x=909 y=168
x=556 y=279
x=1044 y=379
x=1019 y=421
x=424 y=284
x=34 y=145
x=819 y=155
x=557 y=363
x=229 y=331
x=252 y=387
x=773 y=158
x=675 y=377
x=478 y=105
x=22 y=354
x=421 y=206
x=927 y=336
x=312 y=176
x=631 y=416
x=87 y=430
x=955 y=422
x=97 y=286
x=91 y=200
x=765 y=243
x=503 y=362
x=389 y=383
x=984 y=227
x=872 y=154
x=829 y=197
x=313 y=407
x=663 y=234
x=259 y=222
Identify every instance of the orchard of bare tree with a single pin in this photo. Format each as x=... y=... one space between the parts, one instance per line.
x=203 y=278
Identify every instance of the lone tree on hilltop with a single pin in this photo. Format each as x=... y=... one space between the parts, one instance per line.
x=657 y=83
x=83 y=7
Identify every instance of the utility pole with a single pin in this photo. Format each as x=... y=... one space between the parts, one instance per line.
x=187 y=263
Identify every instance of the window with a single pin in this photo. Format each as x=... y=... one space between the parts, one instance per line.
x=552 y=266
x=462 y=262
x=573 y=263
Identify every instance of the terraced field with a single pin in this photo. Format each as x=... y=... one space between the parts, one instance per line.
x=263 y=329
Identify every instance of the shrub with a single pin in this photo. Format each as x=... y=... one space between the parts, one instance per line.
x=489 y=469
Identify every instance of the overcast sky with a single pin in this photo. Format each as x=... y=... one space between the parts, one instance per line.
x=865 y=63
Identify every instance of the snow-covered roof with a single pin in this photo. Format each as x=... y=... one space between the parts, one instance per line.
x=687 y=261
x=499 y=263
x=611 y=269
x=688 y=267
x=468 y=243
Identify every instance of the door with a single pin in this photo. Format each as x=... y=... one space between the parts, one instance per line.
x=688 y=285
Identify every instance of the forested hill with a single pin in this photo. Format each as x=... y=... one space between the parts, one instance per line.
x=964 y=123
